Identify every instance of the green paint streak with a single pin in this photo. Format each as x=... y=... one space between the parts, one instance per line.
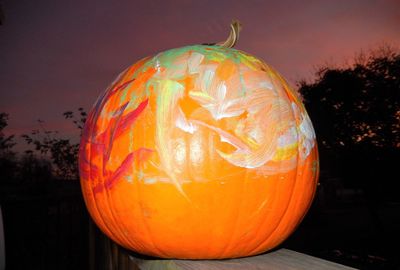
x=130 y=140
x=248 y=60
x=169 y=92
x=150 y=180
x=147 y=88
x=208 y=77
x=242 y=84
x=124 y=94
x=149 y=63
x=168 y=58
x=128 y=178
x=140 y=175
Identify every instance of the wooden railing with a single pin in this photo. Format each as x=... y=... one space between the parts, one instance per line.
x=106 y=255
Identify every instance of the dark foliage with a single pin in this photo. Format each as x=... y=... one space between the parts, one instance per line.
x=6 y=142
x=356 y=114
x=8 y=162
x=358 y=106
x=62 y=152
x=45 y=219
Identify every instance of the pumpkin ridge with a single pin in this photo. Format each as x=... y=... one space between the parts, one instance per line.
x=267 y=239
x=118 y=235
x=146 y=226
x=239 y=213
x=291 y=197
x=233 y=234
x=95 y=216
x=101 y=215
x=90 y=185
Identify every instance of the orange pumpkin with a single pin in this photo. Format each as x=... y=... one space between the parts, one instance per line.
x=198 y=152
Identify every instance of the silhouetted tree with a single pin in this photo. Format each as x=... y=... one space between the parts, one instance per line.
x=6 y=142
x=356 y=114
x=62 y=152
x=8 y=162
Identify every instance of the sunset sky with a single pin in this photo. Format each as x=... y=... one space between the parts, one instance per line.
x=60 y=55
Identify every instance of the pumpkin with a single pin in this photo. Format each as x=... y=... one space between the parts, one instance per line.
x=200 y=152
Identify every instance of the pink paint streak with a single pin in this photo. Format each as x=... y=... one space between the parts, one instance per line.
x=140 y=155
x=110 y=182
x=130 y=118
x=103 y=146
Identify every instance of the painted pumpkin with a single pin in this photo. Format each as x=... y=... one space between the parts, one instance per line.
x=198 y=152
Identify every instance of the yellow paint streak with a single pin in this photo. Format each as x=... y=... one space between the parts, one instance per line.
x=285 y=153
x=169 y=93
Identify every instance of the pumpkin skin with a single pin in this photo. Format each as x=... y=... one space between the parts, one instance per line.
x=200 y=152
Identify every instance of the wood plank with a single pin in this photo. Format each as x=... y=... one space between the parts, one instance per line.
x=282 y=259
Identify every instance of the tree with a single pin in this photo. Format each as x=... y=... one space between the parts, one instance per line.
x=61 y=151
x=6 y=142
x=8 y=162
x=357 y=106
x=356 y=114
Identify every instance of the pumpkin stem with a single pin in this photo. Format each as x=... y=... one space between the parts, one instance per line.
x=233 y=38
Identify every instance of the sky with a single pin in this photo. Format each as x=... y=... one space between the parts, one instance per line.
x=58 y=56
